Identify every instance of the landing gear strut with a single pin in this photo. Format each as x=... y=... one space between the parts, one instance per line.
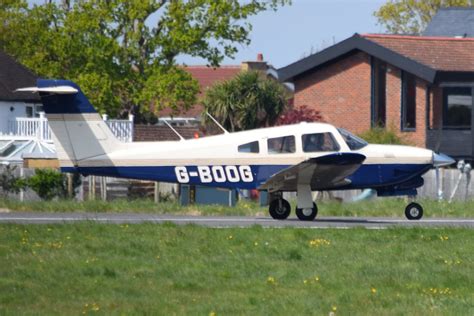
x=279 y=208
x=414 y=211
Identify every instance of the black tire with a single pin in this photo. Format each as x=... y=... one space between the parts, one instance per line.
x=307 y=217
x=279 y=209
x=414 y=211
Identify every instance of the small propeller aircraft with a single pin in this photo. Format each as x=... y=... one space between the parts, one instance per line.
x=303 y=157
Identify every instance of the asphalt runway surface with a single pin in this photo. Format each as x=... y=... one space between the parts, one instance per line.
x=230 y=221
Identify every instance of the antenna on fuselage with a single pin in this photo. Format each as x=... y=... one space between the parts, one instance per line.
x=215 y=121
x=169 y=125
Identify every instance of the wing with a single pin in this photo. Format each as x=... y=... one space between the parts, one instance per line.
x=325 y=172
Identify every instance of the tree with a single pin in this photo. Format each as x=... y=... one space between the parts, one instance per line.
x=123 y=52
x=247 y=101
x=412 y=16
x=299 y=114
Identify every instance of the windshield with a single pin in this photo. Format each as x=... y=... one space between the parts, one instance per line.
x=351 y=140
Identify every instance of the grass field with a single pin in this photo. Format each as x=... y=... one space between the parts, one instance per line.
x=90 y=268
x=391 y=207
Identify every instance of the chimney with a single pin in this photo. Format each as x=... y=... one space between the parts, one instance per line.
x=258 y=65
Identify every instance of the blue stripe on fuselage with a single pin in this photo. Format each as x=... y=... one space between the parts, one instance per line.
x=367 y=176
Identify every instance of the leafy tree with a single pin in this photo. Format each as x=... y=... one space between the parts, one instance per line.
x=247 y=101
x=123 y=52
x=299 y=114
x=412 y=16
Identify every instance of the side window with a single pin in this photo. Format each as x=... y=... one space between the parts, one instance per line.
x=281 y=145
x=249 y=148
x=29 y=111
x=319 y=142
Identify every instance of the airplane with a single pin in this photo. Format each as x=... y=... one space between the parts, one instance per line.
x=301 y=158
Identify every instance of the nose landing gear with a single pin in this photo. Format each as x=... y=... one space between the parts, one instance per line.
x=414 y=211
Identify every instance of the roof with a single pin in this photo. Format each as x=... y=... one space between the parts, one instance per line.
x=207 y=77
x=454 y=21
x=421 y=56
x=440 y=53
x=13 y=75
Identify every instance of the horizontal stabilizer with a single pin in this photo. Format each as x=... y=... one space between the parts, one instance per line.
x=54 y=90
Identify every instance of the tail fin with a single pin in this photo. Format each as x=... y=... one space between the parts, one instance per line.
x=78 y=130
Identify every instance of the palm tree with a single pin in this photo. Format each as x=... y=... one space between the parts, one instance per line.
x=247 y=101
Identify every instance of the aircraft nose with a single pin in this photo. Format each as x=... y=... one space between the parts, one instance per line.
x=441 y=160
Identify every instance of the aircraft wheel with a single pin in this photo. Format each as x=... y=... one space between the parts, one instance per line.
x=414 y=211
x=307 y=214
x=279 y=209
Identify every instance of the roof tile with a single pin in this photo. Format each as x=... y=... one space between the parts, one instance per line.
x=440 y=53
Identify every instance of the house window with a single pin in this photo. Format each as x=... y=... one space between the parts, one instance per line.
x=319 y=142
x=249 y=148
x=29 y=111
x=379 y=79
x=408 y=102
x=281 y=145
x=457 y=107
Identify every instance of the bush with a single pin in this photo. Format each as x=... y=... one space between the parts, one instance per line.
x=48 y=184
x=9 y=182
x=380 y=135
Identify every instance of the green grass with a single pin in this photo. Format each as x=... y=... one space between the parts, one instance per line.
x=165 y=269
x=391 y=207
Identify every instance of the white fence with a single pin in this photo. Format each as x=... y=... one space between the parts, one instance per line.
x=29 y=127
x=39 y=127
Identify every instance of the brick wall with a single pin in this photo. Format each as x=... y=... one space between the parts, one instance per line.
x=341 y=91
x=149 y=133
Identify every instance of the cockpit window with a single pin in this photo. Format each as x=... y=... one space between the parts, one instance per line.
x=319 y=142
x=352 y=141
x=251 y=147
x=281 y=145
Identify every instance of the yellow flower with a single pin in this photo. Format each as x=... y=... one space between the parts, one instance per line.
x=255 y=243
x=271 y=280
x=319 y=242
x=230 y=237
x=373 y=290
x=334 y=308
x=212 y=314
x=305 y=281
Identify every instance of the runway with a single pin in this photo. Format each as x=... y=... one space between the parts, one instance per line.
x=230 y=221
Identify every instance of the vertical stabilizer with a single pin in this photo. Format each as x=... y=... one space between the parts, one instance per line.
x=79 y=133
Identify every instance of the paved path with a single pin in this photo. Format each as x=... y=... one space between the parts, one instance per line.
x=230 y=221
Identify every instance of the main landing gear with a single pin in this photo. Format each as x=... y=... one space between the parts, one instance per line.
x=306 y=209
x=414 y=211
x=281 y=209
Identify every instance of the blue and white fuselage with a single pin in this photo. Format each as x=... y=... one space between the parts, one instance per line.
x=302 y=157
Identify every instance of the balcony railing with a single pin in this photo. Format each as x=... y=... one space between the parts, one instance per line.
x=39 y=128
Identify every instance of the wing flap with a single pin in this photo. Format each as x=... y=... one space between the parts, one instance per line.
x=325 y=172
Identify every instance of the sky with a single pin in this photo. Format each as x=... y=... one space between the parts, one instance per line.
x=292 y=32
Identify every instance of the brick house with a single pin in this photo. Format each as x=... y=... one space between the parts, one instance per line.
x=420 y=86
